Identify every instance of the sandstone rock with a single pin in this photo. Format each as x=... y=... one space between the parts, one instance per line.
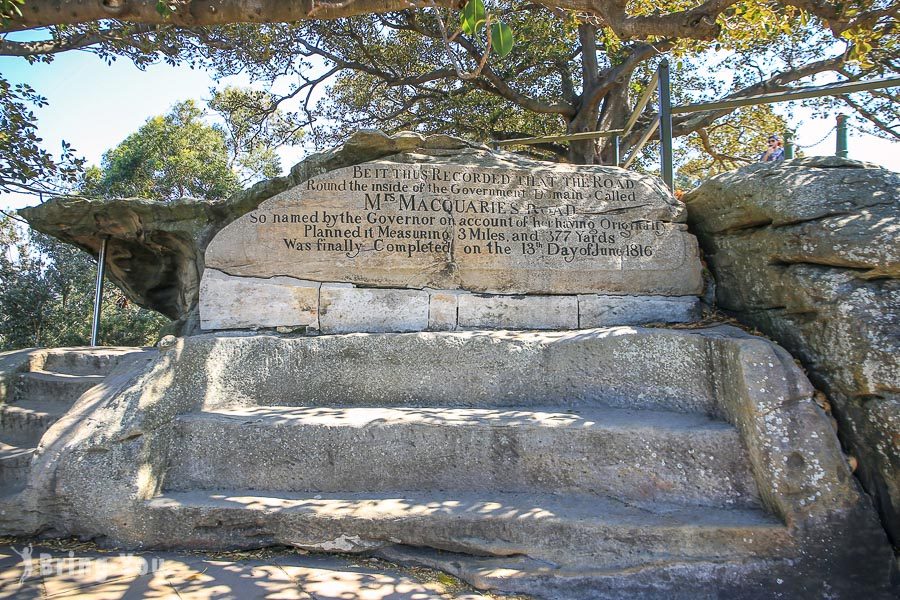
x=236 y=302
x=807 y=252
x=443 y=310
x=607 y=311
x=634 y=237
x=476 y=221
x=346 y=309
x=518 y=312
x=246 y=302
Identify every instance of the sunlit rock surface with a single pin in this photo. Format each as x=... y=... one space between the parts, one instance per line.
x=808 y=252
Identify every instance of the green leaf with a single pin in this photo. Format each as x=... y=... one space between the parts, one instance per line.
x=164 y=9
x=473 y=17
x=501 y=38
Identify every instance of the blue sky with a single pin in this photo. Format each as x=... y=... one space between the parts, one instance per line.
x=94 y=106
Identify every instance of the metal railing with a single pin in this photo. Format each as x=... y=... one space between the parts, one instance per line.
x=663 y=118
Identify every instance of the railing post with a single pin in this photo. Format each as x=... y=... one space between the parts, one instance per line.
x=666 y=167
x=98 y=291
x=788 y=144
x=841 y=145
x=615 y=149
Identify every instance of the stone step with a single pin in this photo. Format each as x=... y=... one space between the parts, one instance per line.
x=15 y=463
x=85 y=361
x=653 y=369
x=568 y=530
x=47 y=386
x=635 y=454
x=24 y=422
x=736 y=579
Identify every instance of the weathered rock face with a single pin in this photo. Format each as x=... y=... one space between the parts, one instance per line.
x=402 y=213
x=808 y=252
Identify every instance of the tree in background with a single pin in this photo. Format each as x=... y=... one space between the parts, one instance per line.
x=726 y=144
x=179 y=154
x=170 y=156
x=253 y=127
x=47 y=287
x=569 y=72
x=47 y=296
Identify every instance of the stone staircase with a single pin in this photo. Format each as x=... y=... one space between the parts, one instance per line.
x=605 y=463
x=46 y=387
x=597 y=485
x=619 y=461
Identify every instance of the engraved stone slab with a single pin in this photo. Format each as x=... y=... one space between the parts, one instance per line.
x=475 y=221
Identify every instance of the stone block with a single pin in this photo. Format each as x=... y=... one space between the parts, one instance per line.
x=518 y=312
x=474 y=223
x=608 y=311
x=442 y=310
x=228 y=302
x=346 y=309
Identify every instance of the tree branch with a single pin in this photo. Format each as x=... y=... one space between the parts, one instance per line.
x=869 y=115
x=698 y=22
x=778 y=82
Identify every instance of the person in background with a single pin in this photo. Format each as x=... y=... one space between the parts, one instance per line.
x=775 y=150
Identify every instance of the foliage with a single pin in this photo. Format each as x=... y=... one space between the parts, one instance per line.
x=727 y=144
x=575 y=66
x=24 y=164
x=170 y=156
x=569 y=72
x=180 y=154
x=46 y=296
x=253 y=126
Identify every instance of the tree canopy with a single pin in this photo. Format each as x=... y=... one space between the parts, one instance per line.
x=568 y=71
x=170 y=156
x=180 y=154
x=575 y=66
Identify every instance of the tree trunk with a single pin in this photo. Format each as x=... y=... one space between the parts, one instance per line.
x=613 y=115
x=582 y=152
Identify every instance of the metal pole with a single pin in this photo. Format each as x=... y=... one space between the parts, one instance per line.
x=98 y=291
x=666 y=167
x=615 y=149
x=841 y=145
x=788 y=144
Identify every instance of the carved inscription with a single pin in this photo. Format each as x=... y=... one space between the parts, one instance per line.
x=565 y=230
